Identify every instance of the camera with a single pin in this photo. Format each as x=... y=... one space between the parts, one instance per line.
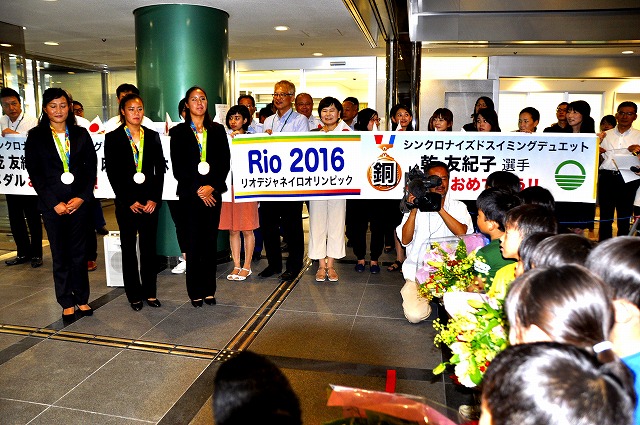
x=418 y=185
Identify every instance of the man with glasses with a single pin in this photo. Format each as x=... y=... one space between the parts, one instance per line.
x=248 y=101
x=287 y=214
x=304 y=106
x=613 y=193
x=20 y=207
x=561 y=115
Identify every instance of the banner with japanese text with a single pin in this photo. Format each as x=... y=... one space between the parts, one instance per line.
x=368 y=165
x=371 y=165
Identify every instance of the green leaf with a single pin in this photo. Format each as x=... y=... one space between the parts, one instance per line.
x=440 y=368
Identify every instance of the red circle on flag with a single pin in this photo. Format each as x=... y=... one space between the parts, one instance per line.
x=94 y=127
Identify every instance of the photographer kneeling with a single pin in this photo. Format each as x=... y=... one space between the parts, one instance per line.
x=426 y=220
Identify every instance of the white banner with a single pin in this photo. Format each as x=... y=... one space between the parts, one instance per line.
x=287 y=166
x=372 y=165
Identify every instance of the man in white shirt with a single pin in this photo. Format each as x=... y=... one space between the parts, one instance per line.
x=287 y=214
x=304 y=106
x=248 y=101
x=114 y=122
x=28 y=244
x=418 y=227
x=613 y=193
x=350 y=107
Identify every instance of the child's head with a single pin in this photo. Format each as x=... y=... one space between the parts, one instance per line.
x=562 y=249
x=538 y=195
x=522 y=221
x=527 y=248
x=503 y=179
x=249 y=388
x=617 y=262
x=554 y=384
x=493 y=205
x=567 y=304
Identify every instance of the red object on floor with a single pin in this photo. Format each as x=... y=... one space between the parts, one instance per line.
x=390 y=386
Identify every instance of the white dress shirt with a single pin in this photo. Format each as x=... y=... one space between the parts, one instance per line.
x=22 y=125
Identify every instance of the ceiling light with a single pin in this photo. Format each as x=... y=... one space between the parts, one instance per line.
x=281 y=28
x=6 y=45
x=51 y=43
x=69 y=72
x=627 y=52
x=317 y=54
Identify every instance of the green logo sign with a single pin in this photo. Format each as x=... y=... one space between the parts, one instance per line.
x=570 y=175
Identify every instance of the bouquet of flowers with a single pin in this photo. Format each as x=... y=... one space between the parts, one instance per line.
x=448 y=265
x=475 y=337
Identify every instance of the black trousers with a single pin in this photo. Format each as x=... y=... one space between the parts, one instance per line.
x=366 y=213
x=287 y=214
x=179 y=220
x=19 y=208
x=67 y=240
x=202 y=231
x=138 y=284
x=615 y=195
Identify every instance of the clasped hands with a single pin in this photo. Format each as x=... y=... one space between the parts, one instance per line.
x=138 y=208
x=206 y=194
x=69 y=207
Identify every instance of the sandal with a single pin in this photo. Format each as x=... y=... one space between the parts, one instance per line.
x=395 y=266
x=321 y=274
x=332 y=274
x=241 y=277
x=232 y=275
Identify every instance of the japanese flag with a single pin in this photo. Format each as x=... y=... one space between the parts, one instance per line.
x=96 y=126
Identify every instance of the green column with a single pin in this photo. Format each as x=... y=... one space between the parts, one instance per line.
x=179 y=46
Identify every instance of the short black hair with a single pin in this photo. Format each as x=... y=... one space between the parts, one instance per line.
x=505 y=180
x=617 y=262
x=328 y=101
x=250 y=389
x=538 y=195
x=243 y=111
x=353 y=100
x=247 y=96
x=557 y=250
x=609 y=119
x=628 y=104
x=126 y=87
x=528 y=247
x=531 y=218
x=436 y=164
x=364 y=116
x=525 y=380
x=9 y=92
x=535 y=114
x=495 y=202
x=76 y=103
x=181 y=106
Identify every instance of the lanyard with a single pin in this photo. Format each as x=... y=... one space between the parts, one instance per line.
x=63 y=150
x=137 y=153
x=17 y=125
x=202 y=145
x=285 y=121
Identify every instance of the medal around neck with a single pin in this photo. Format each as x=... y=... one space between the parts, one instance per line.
x=139 y=178
x=203 y=168
x=66 y=177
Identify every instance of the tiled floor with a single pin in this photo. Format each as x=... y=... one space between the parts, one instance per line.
x=157 y=365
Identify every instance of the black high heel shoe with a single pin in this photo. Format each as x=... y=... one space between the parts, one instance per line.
x=210 y=300
x=196 y=303
x=137 y=306
x=154 y=303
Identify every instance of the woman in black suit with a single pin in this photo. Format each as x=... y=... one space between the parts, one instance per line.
x=200 y=160
x=61 y=162
x=135 y=166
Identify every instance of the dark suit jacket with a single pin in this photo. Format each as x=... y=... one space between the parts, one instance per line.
x=45 y=166
x=185 y=157
x=121 y=167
